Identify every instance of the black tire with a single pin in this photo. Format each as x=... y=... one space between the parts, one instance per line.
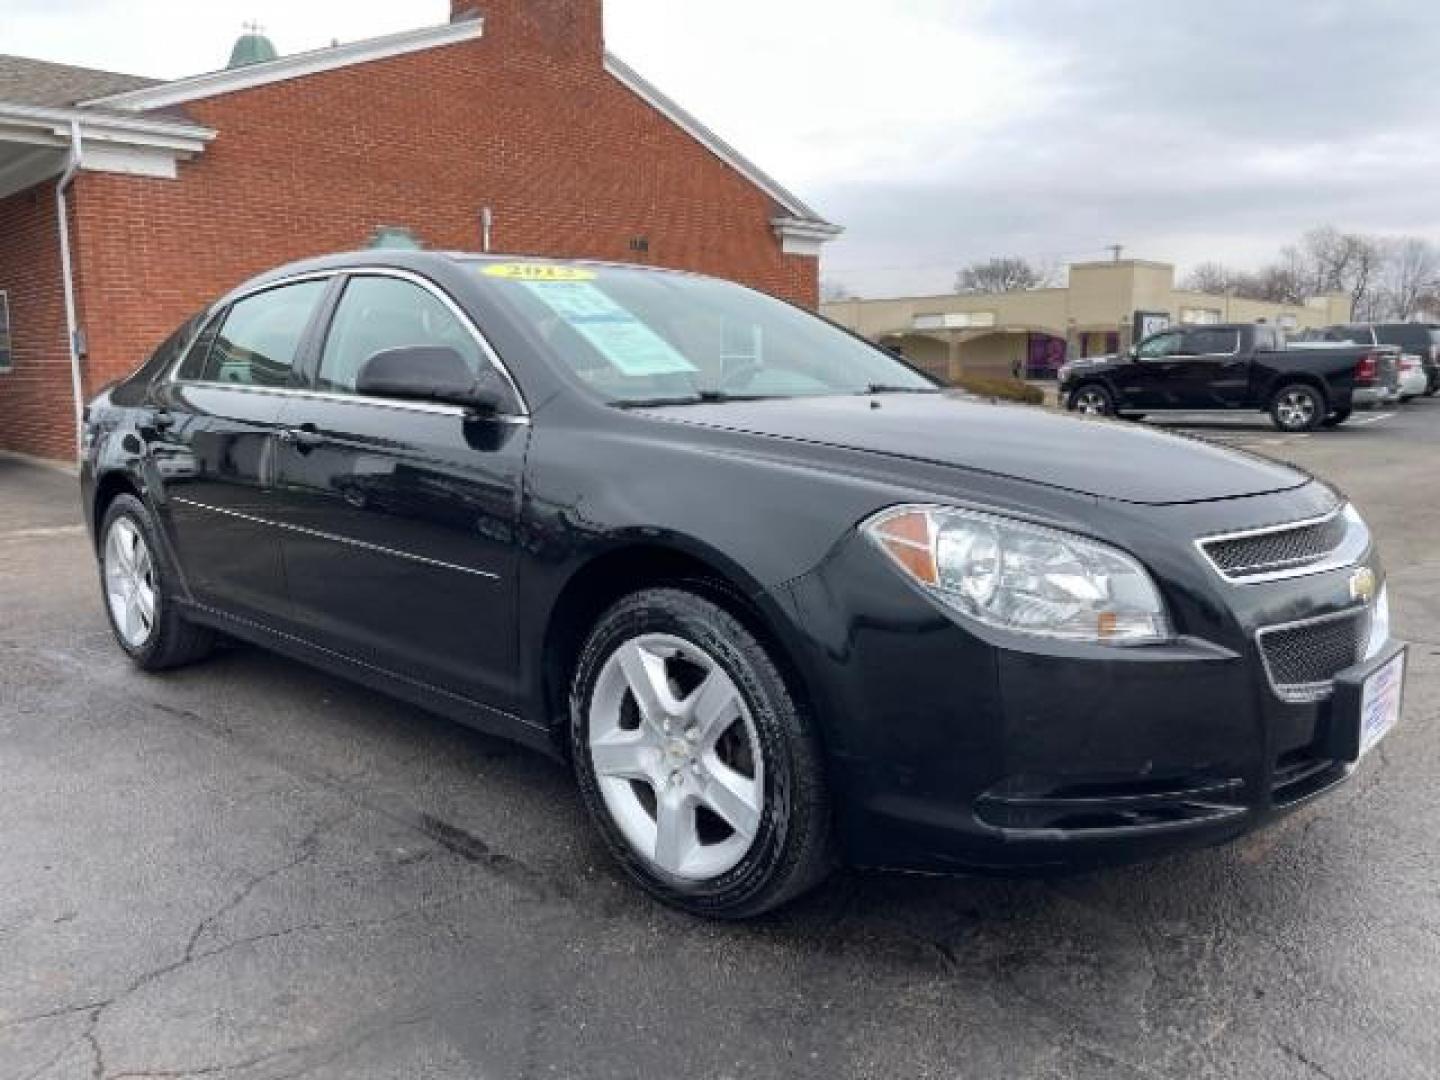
x=1093 y=399
x=1297 y=407
x=172 y=640
x=1338 y=417
x=1432 y=385
x=791 y=850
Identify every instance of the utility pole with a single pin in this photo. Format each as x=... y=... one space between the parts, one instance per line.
x=1115 y=250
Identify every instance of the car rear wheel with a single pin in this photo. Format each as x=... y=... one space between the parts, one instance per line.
x=139 y=592
x=1338 y=417
x=698 y=766
x=1092 y=400
x=1297 y=407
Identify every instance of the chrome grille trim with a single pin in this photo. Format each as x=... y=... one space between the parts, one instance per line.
x=1300 y=691
x=1340 y=539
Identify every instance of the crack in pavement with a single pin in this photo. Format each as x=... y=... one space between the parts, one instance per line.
x=1314 y=1066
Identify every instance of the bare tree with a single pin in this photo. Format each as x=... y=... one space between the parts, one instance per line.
x=1211 y=277
x=1008 y=273
x=832 y=290
x=1411 y=277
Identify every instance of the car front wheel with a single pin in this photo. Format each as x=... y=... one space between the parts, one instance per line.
x=698 y=766
x=1297 y=407
x=1092 y=400
x=139 y=590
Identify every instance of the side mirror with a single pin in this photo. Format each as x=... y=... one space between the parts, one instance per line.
x=1133 y=352
x=427 y=373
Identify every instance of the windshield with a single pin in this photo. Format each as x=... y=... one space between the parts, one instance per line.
x=637 y=336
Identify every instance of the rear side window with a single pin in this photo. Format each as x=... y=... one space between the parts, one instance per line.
x=377 y=314
x=257 y=342
x=1355 y=335
x=1212 y=342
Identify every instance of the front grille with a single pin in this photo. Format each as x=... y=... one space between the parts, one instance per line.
x=1303 y=658
x=1273 y=550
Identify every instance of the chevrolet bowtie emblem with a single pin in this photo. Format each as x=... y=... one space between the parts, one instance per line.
x=1362 y=585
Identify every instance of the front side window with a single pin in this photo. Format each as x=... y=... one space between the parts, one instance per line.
x=377 y=314
x=1160 y=345
x=257 y=342
x=633 y=335
x=7 y=356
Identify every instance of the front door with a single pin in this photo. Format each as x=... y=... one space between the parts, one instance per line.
x=213 y=454
x=400 y=540
x=1148 y=382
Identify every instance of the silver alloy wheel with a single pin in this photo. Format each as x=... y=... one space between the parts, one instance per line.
x=1090 y=402
x=1296 y=409
x=130 y=582
x=676 y=756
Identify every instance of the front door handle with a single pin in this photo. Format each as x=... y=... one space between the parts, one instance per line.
x=304 y=438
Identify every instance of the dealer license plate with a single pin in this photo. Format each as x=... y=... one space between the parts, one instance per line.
x=1380 y=702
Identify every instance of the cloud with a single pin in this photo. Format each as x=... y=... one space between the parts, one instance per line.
x=942 y=131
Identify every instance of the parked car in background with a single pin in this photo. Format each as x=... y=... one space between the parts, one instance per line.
x=1421 y=339
x=1413 y=379
x=1234 y=367
x=778 y=599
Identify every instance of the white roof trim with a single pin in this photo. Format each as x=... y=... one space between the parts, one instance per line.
x=298 y=66
x=712 y=142
x=51 y=127
x=802 y=237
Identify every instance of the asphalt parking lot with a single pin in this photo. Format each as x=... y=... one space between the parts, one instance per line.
x=250 y=870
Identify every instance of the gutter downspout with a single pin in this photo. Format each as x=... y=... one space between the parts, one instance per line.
x=67 y=275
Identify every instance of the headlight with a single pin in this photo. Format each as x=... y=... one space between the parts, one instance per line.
x=1064 y=371
x=1023 y=577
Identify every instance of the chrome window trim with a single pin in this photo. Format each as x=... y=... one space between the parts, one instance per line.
x=398 y=404
x=1306 y=693
x=1346 y=554
x=363 y=271
x=315 y=533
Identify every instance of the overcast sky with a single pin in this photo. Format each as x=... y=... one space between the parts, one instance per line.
x=942 y=131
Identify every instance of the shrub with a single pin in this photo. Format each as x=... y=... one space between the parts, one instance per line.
x=1000 y=387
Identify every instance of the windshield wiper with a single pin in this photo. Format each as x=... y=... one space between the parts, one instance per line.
x=702 y=397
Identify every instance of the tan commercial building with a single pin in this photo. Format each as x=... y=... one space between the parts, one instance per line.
x=1030 y=333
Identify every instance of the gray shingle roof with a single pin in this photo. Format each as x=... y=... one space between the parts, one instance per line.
x=36 y=82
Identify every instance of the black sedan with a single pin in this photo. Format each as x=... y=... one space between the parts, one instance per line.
x=780 y=600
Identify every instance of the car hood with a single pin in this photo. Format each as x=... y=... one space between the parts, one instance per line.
x=1107 y=459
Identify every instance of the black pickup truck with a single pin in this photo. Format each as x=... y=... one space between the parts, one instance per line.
x=1232 y=367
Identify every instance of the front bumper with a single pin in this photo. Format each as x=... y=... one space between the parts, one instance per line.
x=954 y=747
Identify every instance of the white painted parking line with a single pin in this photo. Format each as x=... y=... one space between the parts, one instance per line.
x=33 y=534
x=1377 y=419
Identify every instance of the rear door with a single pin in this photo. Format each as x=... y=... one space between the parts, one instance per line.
x=1211 y=372
x=214 y=448
x=401 y=517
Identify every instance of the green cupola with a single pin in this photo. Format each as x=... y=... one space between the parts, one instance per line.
x=252 y=47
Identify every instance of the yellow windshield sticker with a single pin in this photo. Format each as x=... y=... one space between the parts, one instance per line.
x=538 y=272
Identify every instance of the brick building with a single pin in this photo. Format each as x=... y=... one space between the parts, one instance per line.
x=510 y=126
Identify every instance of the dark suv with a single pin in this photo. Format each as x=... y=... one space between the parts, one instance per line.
x=1420 y=339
